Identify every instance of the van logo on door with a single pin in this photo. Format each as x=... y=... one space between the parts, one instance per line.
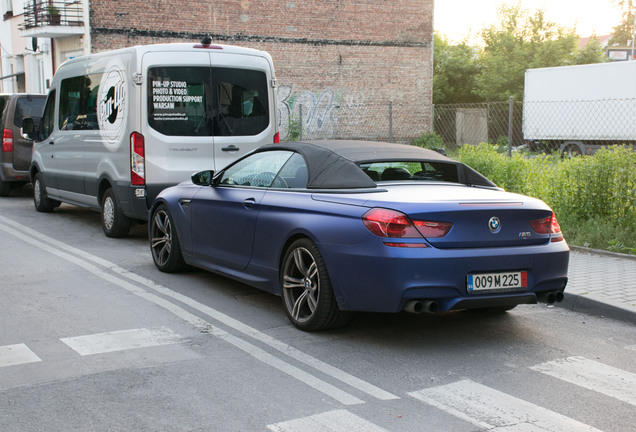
x=111 y=109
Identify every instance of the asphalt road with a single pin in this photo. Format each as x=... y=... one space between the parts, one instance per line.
x=94 y=338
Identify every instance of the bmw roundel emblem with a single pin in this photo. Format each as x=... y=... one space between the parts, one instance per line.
x=494 y=223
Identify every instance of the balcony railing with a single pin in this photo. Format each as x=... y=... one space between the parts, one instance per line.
x=50 y=18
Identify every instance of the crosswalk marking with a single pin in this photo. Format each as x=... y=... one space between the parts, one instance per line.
x=332 y=421
x=11 y=355
x=593 y=375
x=493 y=410
x=121 y=340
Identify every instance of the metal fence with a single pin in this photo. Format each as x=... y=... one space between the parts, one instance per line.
x=543 y=125
x=322 y=117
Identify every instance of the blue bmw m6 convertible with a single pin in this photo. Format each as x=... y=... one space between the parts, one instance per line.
x=340 y=226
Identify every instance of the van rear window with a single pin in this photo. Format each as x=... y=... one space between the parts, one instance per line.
x=198 y=101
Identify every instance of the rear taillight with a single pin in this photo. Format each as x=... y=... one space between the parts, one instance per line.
x=137 y=159
x=394 y=224
x=277 y=138
x=7 y=141
x=548 y=225
x=389 y=223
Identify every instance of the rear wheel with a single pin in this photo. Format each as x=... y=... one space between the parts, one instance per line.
x=572 y=150
x=307 y=294
x=40 y=200
x=5 y=188
x=164 y=243
x=114 y=222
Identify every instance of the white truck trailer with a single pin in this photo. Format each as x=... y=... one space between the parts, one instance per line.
x=579 y=109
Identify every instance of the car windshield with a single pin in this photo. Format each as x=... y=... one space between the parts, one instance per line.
x=411 y=171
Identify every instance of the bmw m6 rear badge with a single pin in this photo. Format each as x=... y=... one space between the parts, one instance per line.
x=494 y=224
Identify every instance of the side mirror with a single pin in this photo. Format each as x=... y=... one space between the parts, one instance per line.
x=203 y=178
x=28 y=128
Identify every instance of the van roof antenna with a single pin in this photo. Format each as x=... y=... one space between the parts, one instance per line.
x=207 y=40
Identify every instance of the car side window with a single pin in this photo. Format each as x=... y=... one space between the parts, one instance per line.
x=294 y=174
x=258 y=170
x=47 y=122
x=78 y=103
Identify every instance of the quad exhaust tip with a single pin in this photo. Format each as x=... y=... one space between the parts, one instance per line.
x=550 y=297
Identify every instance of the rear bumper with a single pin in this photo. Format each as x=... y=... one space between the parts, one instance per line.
x=9 y=174
x=377 y=278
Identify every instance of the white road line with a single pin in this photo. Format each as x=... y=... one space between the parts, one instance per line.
x=305 y=377
x=282 y=347
x=593 y=375
x=121 y=340
x=632 y=347
x=11 y=355
x=493 y=410
x=332 y=421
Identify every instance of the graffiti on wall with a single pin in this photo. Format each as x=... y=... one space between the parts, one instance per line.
x=324 y=114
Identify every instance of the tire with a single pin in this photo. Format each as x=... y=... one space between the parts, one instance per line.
x=114 y=222
x=571 y=151
x=5 y=188
x=42 y=203
x=307 y=294
x=164 y=242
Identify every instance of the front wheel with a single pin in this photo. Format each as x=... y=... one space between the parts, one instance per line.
x=40 y=200
x=164 y=243
x=307 y=294
x=114 y=222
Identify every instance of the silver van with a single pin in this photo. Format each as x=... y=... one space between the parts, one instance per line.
x=15 y=155
x=120 y=126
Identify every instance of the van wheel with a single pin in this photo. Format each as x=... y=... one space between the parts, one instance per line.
x=114 y=222
x=5 y=188
x=40 y=200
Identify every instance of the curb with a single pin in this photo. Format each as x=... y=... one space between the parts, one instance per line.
x=602 y=308
x=602 y=252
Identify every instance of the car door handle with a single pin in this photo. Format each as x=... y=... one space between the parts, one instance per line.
x=249 y=203
x=230 y=149
x=51 y=142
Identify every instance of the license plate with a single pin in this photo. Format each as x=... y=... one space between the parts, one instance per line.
x=484 y=282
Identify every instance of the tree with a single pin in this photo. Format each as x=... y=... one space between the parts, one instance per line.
x=454 y=70
x=592 y=52
x=622 y=34
x=520 y=42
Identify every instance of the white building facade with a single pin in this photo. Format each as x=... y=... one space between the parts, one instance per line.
x=36 y=36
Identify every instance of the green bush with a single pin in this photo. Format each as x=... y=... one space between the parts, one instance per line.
x=594 y=197
x=430 y=141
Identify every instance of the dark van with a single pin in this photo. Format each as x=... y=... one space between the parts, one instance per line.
x=15 y=158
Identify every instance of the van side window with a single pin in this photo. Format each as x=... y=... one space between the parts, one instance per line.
x=199 y=101
x=78 y=102
x=242 y=100
x=47 y=123
x=177 y=101
x=28 y=108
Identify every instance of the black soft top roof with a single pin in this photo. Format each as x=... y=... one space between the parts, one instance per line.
x=333 y=164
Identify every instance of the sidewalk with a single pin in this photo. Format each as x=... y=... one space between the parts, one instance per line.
x=601 y=283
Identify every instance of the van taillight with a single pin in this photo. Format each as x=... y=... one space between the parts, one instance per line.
x=7 y=141
x=137 y=161
x=277 y=138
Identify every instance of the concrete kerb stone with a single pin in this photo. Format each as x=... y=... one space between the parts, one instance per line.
x=597 y=305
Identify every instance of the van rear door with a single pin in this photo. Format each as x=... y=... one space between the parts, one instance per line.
x=176 y=121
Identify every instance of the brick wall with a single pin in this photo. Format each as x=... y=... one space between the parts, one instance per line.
x=343 y=60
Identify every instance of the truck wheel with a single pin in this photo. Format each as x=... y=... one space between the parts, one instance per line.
x=5 y=188
x=114 y=222
x=40 y=200
x=571 y=151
